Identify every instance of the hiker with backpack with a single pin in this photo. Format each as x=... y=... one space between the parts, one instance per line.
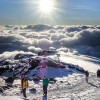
x=87 y=75
x=45 y=83
x=98 y=73
x=24 y=84
x=98 y=76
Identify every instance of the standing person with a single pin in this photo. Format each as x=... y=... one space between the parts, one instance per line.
x=98 y=77
x=24 y=85
x=45 y=85
x=98 y=73
x=87 y=75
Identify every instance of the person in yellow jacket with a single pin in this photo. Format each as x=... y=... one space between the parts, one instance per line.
x=24 y=85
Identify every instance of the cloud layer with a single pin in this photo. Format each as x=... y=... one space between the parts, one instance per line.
x=84 y=39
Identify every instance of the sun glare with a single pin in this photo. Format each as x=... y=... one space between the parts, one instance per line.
x=46 y=6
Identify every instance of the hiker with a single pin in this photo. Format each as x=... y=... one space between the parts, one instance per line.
x=45 y=85
x=98 y=76
x=24 y=84
x=98 y=73
x=87 y=75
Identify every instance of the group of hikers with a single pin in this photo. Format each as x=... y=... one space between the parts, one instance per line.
x=24 y=85
x=41 y=74
x=87 y=74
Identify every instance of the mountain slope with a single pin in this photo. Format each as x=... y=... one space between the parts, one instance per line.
x=70 y=84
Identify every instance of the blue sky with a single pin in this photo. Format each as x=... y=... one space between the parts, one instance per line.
x=65 y=12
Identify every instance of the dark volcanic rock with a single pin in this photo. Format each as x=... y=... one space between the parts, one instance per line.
x=9 y=80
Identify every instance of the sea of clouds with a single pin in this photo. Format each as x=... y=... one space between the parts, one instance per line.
x=33 y=38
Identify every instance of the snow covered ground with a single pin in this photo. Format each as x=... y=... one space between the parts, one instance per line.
x=70 y=84
x=87 y=63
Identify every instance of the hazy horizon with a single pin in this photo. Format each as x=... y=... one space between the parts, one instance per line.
x=53 y=12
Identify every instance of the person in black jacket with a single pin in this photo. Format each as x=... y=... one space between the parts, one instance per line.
x=98 y=73
x=87 y=75
x=98 y=76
